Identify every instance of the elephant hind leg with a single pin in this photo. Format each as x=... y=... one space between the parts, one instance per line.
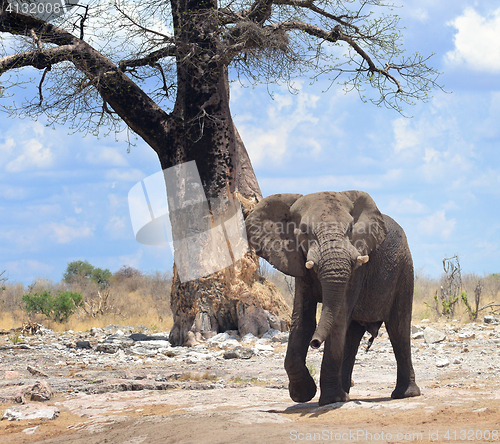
x=353 y=337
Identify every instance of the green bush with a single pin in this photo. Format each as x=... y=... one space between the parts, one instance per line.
x=58 y=308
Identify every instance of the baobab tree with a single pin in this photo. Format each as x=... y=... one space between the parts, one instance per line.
x=160 y=69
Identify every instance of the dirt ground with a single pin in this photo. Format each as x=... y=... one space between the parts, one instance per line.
x=246 y=400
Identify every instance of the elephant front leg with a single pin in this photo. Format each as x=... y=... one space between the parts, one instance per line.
x=301 y=386
x=331 y=368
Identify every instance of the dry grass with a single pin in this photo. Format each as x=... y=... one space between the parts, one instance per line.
x=424 y=304
x=145 y=299
x=139 y=300
x=196 y=376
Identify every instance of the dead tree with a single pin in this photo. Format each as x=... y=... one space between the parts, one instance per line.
x=449 y=294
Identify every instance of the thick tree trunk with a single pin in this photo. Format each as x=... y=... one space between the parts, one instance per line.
x=201 y=129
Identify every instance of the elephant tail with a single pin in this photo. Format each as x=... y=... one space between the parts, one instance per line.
x=370 y=342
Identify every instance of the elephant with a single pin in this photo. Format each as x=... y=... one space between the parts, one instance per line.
x=354 y=260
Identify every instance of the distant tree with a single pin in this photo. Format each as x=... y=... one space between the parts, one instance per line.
x=101 y=276
x=83 y=270
x=77 y=269
x=127 y=272
x=162 y=69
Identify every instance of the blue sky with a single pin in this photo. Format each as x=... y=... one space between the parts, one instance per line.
x=64 y=197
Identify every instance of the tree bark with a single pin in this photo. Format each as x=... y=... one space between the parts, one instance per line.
x=201 y=129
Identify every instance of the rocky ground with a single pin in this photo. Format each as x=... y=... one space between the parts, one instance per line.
x=129 y=386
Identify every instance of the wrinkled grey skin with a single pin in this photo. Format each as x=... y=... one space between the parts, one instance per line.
x=358 y=265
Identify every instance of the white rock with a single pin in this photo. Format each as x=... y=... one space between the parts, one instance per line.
x=263 y=347
x=271 y=333
x=281 y=337
x=249 y=337
x=30 y=430
x=432 y=336
x=138 y=350
x=416 y=329
x=488 y=319
x=230 y=343
x=155 y=344
x=221 y=337
x=442 y=363
x=31 y=411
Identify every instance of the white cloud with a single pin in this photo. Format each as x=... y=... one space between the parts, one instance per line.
x=119 y=228
x=437 y=225
x=405 y=135
x=405 y=206
x=132 y=175
x=106 y=156
x=6 y=148
x=65 y=232
x=34 y=156
x=449 y=167
x=477 y=42
x=312 y=184
x=12 y=192
x=269 y=140
x=419 y=14
x=29 y=268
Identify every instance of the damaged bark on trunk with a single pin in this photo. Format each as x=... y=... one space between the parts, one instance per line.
x=201 y=129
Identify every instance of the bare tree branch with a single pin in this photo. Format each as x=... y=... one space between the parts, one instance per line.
x=46 y=70
x=150 y=59
x=39 y=59
x=335 y=36
x=309 y=4
x=260 y=11
x=165 y=37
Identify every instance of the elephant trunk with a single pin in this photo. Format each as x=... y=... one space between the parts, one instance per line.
x=334 y=273
x=333 y=294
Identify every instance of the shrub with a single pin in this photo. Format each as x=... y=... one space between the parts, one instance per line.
x=58 y=308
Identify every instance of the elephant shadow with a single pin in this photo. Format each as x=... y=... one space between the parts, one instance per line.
x=314 y=410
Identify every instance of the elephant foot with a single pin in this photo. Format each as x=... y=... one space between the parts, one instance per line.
x=406 y=391
x=330 y=398
x=302 y=390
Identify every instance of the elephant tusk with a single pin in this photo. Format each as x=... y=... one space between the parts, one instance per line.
x=309 y=264
x=363 y=259
x=297 y=232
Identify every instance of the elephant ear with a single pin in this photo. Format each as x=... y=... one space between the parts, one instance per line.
x=368 y=230
x=270 y=232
